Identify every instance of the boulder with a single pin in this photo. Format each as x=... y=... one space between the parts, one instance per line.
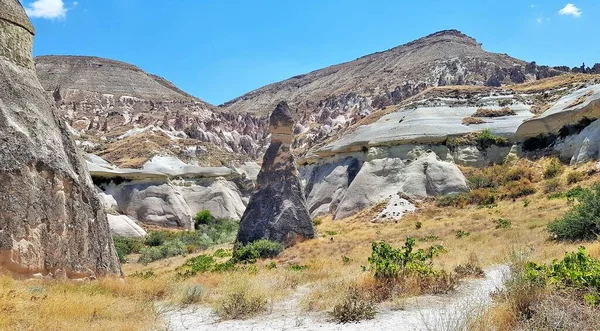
x=379 y=179
x=150 y=202
x=123 y=226
x=581 y=147
x=277 y=210
x=327 y=185
x=50 y=216
x=221 y=197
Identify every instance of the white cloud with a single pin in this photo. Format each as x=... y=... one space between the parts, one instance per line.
x=570 y=9
x=539 y=20
x=50 y=9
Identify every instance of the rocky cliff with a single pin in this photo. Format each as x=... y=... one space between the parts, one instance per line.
x=340 y=95
x=51 y=221
x=112 y=106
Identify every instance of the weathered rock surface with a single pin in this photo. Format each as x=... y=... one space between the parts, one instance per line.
x=123 y=226
x=277 y=210
x=168 y=192
x=118 y=105
x=50 y=217
x=379 y=179
x=575 y=106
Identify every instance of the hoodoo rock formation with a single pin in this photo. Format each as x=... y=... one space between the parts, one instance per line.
x=51 y=221
x=277 y=210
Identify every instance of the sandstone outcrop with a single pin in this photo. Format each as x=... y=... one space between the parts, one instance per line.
x=277 y=210
x=50 y=218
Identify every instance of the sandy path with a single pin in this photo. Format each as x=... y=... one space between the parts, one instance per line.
x=446 y=312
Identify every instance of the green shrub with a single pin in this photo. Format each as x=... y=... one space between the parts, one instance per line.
x=297 y=267
x=195 y=265
x=202 y=218
x=156 y=238
x=222 y=253
x=576 y=270
x=582 y=221
x=125 y=246
x=353 y=308
x=482 y=197
x=574 y=177
x=317 y=222
x=553 y=169
x=260 y=249
x=390 y=263
x=240 y=305
x=485 y=139
x=502 y=223
x=461 y=234
x=522 y=188
x=168 y=249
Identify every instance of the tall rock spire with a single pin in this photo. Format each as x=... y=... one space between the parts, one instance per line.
x=277 y=210
x=50 y=218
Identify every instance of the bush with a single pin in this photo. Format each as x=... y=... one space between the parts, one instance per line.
x=240 y=305
x=192 y=295
x=168 y=249
x=574 y=177
x=518 y=189
x=502 y=223
x=469 y=269
x=485 y=139
x=202 y=218
x=576 y=270
x=125 y=246
x=482 y=197
x=260 y=249
x=456 y=200
x=480 y=181
x=552 y=185
x=553 y=169
x=582 y=222
x=391 y=263
x=353 y=308
x=461 y=234
x=156 y=238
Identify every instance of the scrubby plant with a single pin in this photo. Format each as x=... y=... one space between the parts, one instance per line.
x=418 y=225
x=582 y=221
x=222 y=253
x=297 y=267
x=192 y=294
x=469 y=269
x=514 y=190
x=202 y=218
x=241 y=304
x=460 y=200
x=125 y=246
x=552 y=185
x=260 y=249
x=502 y=223
x=553 y=169
x=390 y=263
x=462 y=233
x=574 y=177
x=354 y=307
x=576 y=270
x=168 y=249
x=482 y=197
x=485 y=139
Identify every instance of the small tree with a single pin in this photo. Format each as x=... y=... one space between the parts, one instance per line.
x=202 y=218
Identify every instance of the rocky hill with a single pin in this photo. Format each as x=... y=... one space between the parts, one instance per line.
x=341 y=94
x=127 y=115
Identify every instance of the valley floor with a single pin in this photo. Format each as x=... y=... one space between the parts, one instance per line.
x=303 y=284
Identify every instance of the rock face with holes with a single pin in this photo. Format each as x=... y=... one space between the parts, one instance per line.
x=277 y=210
x=51 y=221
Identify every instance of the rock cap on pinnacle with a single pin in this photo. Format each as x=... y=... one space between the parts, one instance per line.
x=282 y=124
x=12 y=11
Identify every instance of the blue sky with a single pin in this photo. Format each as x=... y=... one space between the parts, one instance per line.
x=220 y=49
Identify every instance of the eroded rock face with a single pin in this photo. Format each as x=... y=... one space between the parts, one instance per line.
x=277 y=210
x=50 y=218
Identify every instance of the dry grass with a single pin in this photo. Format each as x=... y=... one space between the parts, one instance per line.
x=110 y=304
x=472 y=120
x=333 y=266
x=567 y=80
x=485 y=112
x=581 y=99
